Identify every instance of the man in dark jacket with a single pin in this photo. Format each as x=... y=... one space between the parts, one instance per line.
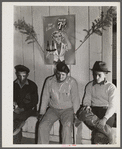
x=25 y=97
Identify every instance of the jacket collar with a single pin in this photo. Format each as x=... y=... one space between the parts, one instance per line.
x=26 y=83
x=65 y=81
x=101 y=83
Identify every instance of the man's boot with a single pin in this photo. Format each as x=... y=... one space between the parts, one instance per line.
x=92 y=120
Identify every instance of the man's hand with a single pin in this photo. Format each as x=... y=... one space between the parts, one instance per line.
x=77 y=122
x=87 y=108
x=39 y=117
x=102 y=122
x=18 y=110
x=15 y=105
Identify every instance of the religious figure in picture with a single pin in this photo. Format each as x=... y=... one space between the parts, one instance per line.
x=60 y=45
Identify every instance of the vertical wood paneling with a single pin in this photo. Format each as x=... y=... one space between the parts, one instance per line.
x=80 y=70
x=93 y=49
x=107 y=47
x=18 y=56
x=58 y=10
x=95 y=40
x=41 y=70
x=27 y=48
x=56 y=128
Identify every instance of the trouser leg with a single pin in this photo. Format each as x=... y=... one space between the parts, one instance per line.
x=45 y=126
x=92 y=120
x=100 y=113
x=67 y=125
x=18 y=123
x=19 y=119
x=22 y=116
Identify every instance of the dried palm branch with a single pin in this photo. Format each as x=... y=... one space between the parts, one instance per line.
x=99 y=24
x=28 y=30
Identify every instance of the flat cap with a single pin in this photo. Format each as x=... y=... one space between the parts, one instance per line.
x=62 y=67
x=21 y=68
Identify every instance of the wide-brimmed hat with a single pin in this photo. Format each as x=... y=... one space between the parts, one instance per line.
x=21 y=68
x=100 y=66
x=62 y=67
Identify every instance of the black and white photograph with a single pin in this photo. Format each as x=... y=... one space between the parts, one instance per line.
x=61 y=74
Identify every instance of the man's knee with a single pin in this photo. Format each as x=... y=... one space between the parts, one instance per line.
x=44 y=125
x=67 y=125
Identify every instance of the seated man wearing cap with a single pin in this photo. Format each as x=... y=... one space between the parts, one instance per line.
x=62 y=99
x=25 y=97
x=99 y=104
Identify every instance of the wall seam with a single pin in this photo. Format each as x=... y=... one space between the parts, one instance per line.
x=89 y=49
x=89 y=38
x=70 y=64
x=33 y=46
x=52 y=66
x=102 y=40
x=22 y=40
x=52 y=71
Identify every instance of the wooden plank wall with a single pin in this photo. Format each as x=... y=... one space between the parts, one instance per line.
x=95 y=48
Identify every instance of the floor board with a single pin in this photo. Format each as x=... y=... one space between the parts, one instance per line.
x=32 y=141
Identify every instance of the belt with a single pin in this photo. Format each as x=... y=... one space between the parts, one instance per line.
x=104 y=107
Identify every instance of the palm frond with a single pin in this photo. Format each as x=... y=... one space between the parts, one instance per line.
x=27 y=30
x=99 y=24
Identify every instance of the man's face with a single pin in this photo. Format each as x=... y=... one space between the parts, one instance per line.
x=61 y=76
x=98 y=76
x=22 y=76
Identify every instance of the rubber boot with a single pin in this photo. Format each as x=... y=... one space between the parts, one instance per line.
x=92 y=120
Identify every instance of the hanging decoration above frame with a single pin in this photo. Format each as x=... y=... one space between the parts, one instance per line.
x=64 y=27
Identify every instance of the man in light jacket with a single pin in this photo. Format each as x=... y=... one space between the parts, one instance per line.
x=99 y=103
x=62 y=99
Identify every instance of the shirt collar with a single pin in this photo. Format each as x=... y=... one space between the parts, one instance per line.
x=101 y=83
x=66 y=80
x=26 y=83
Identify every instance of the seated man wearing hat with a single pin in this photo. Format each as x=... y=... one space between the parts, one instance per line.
x=99 y=104
x=25 y=97
x=62 y=99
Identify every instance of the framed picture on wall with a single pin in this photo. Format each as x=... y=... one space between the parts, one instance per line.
x=59 y=39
